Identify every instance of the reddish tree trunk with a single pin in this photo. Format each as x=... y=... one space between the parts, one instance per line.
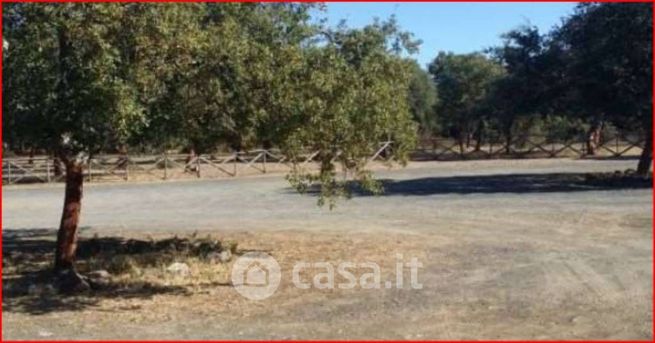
x=646 y=155
x=190 y=157
x=67 y=234
x=593 y=138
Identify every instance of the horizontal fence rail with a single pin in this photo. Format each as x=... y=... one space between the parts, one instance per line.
x=175 y=166
x=526 y=147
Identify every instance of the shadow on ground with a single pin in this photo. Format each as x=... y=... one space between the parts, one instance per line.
x=506 y=183
x=27 y=277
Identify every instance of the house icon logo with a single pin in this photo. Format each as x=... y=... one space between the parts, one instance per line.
x=256 y=275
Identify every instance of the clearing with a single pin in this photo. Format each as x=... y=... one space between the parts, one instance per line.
x=511 y=249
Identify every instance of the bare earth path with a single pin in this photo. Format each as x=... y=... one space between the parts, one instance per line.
x=509 y=251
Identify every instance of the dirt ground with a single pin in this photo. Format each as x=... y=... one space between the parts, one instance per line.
x=516 y=249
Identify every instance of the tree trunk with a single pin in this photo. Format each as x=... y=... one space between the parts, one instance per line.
x=593 y=137
x=508 y=136
x=646 y=155
x=56 y=162
x=192 y=155
x=460 y=142
x=67 y=235
x=478 y=136
x=68 y=279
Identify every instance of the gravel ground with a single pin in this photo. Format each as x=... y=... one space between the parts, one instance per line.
x=511 y=249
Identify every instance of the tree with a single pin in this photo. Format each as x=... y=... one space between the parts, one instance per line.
x=609 y=75
x=65 y=94
x=463 y=82
x=220 y=69
x=519 y=93
x=84 y=78
x=422 y=99
x=351 y=99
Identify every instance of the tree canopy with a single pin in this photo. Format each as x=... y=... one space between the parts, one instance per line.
x=87 y=77
x=594 y=68
x=463 y=83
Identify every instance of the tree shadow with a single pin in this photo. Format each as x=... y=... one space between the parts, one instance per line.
x=510 y=183
x=504 y=183
x=28 y=280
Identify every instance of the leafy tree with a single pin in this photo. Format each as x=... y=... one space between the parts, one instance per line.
x=220 y=69
x=519 y=93
x=65 y=94
x=463 y=83
x=607 y=53
x=82 y=78
x=351 y=100
x=422 y=99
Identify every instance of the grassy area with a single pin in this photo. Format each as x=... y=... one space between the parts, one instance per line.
x=116 y=266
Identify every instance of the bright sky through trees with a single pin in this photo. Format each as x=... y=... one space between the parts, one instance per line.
x=457 y=27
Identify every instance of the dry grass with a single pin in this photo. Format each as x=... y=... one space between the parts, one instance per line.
x=134 y=265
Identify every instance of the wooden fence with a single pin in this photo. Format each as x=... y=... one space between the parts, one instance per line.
x=160 y=167
x=526 y=147
x=179 y=166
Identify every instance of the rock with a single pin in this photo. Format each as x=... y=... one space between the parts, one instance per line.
x=99 y=279
x=225 y=256
x=99 y=274
x=178 y=268
x=222 y=257
x=44 y=333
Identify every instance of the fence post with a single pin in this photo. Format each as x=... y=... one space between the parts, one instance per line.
x=127 y=168
x=88 y=162
x=583 y=148
x=198 y=166
x=264 y=161
x=236 y=157
x=47 y=169
x=165 y=165
x=9 y=172
x=491 y=149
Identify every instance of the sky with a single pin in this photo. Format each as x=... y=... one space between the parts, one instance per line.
x=456 y=27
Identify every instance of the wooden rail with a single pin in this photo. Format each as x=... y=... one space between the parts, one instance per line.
x=174 y=166
x=525 y=147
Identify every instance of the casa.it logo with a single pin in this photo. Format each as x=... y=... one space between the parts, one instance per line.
x=256 y=275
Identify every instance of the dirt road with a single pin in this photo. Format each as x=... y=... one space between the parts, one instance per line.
x=510 y=250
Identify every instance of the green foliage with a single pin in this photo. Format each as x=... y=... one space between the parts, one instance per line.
x=81 y=78
x=350 y=103
x=562 y=128
x=517 y=96
x=63 y=88
x=606 y=50
x=422 y=98
x=463 y=82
